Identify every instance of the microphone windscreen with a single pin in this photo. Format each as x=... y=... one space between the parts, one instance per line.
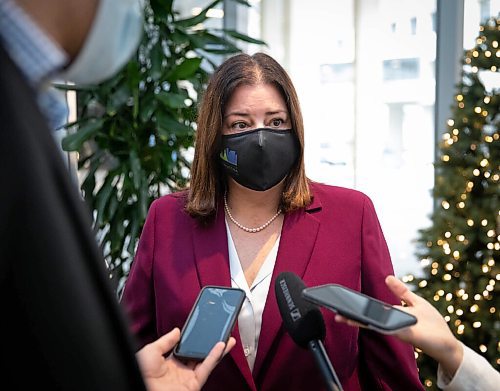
x=302 y=320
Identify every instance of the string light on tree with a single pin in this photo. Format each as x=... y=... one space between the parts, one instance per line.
x=459 y=251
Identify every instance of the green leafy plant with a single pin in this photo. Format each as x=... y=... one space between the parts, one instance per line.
x=134 y=132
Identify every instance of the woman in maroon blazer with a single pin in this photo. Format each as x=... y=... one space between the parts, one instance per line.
x=250 y=213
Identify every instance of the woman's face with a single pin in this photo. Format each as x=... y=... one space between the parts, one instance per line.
x=253 y=107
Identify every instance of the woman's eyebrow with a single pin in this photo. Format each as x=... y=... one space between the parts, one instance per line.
x=243 y=114
x=238 y=113
x=277 y=112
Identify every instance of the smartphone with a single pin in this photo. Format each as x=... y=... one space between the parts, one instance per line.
x=211 y=320
x=372 y=313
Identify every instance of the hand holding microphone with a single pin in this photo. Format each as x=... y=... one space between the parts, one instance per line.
x=304 y=323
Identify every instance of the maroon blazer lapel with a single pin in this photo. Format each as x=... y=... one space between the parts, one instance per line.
x=212 y=263
x=211 y=253
x=298 y=237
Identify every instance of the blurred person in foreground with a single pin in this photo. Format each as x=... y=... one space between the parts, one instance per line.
x=460 y=368
x=61 y=327
x=250 y=213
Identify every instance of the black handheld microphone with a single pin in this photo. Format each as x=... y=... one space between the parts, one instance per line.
x=304 y=322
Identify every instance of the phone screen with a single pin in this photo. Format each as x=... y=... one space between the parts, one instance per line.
x=210 y=321
x=357 y=306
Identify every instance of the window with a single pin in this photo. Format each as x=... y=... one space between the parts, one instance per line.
x=368 y=104
x=413 y=26
x=402 y=68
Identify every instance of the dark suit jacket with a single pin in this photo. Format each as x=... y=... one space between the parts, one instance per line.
x=337 y=239
x=61 y=327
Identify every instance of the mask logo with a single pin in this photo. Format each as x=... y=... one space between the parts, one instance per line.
x=230 y=157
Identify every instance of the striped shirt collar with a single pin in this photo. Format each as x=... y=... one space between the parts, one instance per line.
x=36 y=55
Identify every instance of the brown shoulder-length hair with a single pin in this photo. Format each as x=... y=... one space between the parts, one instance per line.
x=208 y=181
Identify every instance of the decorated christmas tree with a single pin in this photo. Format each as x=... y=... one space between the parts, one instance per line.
x=459 y=252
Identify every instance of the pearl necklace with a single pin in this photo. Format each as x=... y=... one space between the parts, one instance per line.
x=246 y=229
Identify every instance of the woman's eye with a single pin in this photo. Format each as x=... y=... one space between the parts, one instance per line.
x=239 y=125
x=277 y=122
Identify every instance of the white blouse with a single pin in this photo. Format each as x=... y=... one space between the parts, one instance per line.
x=250 y=317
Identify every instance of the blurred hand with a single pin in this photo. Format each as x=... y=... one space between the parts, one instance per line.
x=162 y=373
x=431 y=332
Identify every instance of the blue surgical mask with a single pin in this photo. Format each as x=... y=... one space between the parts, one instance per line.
x=112 y=39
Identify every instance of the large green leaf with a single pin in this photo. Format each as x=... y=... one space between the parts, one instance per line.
x=89 y=183
x=179 y=37
x=172 y=100
x=201 y=17
x=133 y=74
x=184 y=70
x=167 y=126
x=102 y=198
x=162 y=8
x=113 y=205
x=157 y=57
x=147 y=106
x=208 y=42
x=135 y=165
x=74 y=142
x=221 y=51
x=118 y=98
x=243 y=37
x=116 y=234
x=73 y=87
x=143 y=201
x=243 y=2
x=134 y=229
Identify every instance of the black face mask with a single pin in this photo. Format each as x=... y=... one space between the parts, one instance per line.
x=259 y=159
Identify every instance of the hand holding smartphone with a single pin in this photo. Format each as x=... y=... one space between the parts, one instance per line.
x=372 y=313
x=211 y=320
